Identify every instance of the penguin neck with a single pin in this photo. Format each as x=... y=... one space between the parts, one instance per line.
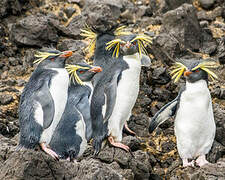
x=201 y=84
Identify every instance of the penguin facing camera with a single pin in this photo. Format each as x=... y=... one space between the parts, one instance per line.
x=121 y=55
x=43 y=100
x=194 y=120
x=74 y=130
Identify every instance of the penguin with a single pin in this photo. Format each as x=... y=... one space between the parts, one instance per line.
x=74 y=130
x=194 y=120
x=43 y=100
x=116 y=87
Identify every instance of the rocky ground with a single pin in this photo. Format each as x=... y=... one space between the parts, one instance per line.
x=179 y=28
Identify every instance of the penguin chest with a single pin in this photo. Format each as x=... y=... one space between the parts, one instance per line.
x=59 y=91
x=127 y=92
x=194 y=123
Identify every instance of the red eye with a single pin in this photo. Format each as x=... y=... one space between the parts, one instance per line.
x=134 y=43
x=81 y=72
x=52 y=59
x=197 y=70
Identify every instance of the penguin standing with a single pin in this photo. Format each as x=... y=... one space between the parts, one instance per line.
x=116 y=87
x=74 y=130
x=43 y=100
x=194 y=121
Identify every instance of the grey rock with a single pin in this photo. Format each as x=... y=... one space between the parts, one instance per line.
x=206 y=4
x=69 y=11
x=33 y=30
x=6 y=99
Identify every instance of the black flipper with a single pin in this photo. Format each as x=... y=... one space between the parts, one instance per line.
x=44 y=97
x=165 y=113
x=111 y=93
x=83 y=108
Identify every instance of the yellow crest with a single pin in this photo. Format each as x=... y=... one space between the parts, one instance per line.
x=142 y=40
x=44 y=55
x=91 y=35
x=178 y=69
x=72 y=70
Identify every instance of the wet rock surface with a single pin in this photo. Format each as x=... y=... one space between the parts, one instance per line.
x=180 y=29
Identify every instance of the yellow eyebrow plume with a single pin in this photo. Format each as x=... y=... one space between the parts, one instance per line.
x=43 y=55
x=116 y=43
x=178 y=70
x=72 y=70
x=89 y=34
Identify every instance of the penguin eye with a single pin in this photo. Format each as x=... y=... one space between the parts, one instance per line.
x=52 y=59
x=197 y=70
x=81 y=72
x=134 y=43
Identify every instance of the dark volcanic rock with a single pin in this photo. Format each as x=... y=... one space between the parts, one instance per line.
x=182 y=24
x=33 y=30
x=206 y=4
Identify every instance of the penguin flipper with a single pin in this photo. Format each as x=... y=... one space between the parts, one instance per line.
x=145 y=60
x=44 y=97
x=111 y=93
x=165 y=112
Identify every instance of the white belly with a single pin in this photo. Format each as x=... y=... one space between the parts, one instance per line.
x=59 y=92
x=194 y=123
x=127 y=92
x=80 y=130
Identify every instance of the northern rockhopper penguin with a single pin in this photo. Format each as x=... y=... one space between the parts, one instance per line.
x=116 y=88
x=74 y=130
x=194 y=120
x=43 y=100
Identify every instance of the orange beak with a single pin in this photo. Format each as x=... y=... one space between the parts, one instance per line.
x=128 y=44
x=66 y=54
x=187 y=73
x=96 y=69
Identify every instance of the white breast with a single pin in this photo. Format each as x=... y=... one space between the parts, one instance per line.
x=194 y=123
x=127 y=92
x=59 y=92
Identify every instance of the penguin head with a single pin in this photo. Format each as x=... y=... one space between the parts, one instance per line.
x=52 y=58
x=82 y=72
x=194 y=70
x=129 y=44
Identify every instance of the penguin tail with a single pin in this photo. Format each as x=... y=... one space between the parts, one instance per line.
x=19 y=147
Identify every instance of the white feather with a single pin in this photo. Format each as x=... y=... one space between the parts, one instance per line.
x=59 y=92
x=127 y=92
x=194 y=124
x=38 y=114
x=80 y=130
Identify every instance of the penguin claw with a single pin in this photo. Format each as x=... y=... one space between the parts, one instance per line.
x=128 y=130
x=49 y=151
x=186 y=163
x=201 y=161
x=119 y=145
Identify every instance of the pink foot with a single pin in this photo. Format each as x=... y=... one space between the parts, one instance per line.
x=117 y=144
x=49 y=151
x=128 y=129
x=186 y=163
x=201 y=161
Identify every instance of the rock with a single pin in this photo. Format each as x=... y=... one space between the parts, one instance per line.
x=209 y=44
x=103 y=15
x=164 y=6
x=69 y=11
x=6 y=99
x=206 y=4
x=217 y=151
x=4 y=6
x=34 y=30
x=21 y=82
x=139 y=124
x=204 y=24
x=221 y=50
x=160 y=76
x=182 y=24
x=210 y=171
